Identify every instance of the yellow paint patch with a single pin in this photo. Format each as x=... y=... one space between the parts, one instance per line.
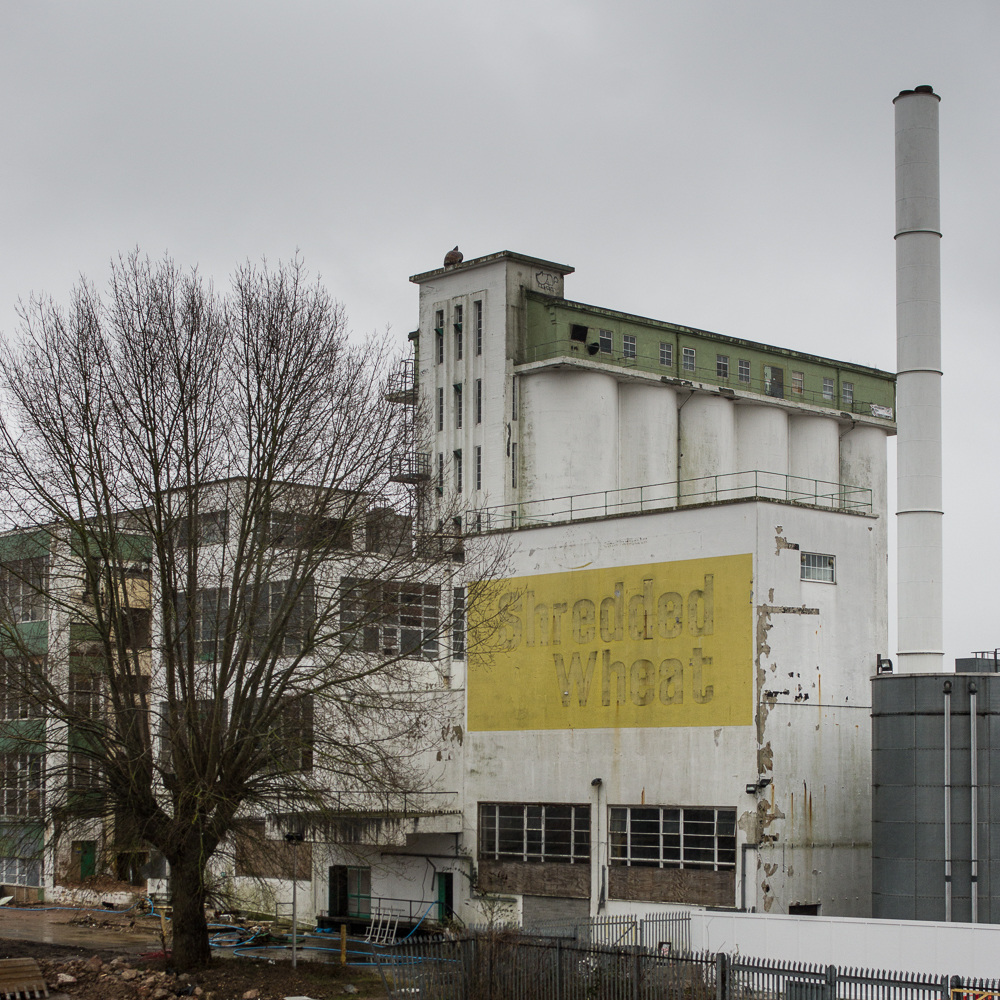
x=667 y=644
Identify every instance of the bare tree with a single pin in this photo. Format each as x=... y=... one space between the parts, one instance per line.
x=213 y=499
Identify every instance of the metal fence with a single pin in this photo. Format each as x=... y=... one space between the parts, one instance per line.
x=519 y=964
x=752 y=484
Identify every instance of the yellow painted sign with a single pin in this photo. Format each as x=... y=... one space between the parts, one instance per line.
x=667 y=644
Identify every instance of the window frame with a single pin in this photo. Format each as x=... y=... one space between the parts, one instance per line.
x=629 y=346
x=605 y=341
x=689 y=359
x=812 y=570
x=743 y=371
x=527 y=832
x=477 y=308
x=722 y=366
x=678 y=840
x=847 y=393
x=666 y=354
x=798 y=383
x=829 y=389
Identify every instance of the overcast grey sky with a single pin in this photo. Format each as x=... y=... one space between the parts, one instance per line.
x=726 y=164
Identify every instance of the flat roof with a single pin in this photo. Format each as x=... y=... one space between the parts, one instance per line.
x=468 y=265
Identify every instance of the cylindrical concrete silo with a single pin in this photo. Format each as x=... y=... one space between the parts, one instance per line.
x=762 y=450
x=647 y=445
x=814 y=460
x=707 y=432
x=570 y=447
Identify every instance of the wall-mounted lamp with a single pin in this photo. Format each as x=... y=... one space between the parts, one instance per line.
x=755 y=786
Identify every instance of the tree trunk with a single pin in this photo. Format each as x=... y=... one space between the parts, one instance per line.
x=189 y=926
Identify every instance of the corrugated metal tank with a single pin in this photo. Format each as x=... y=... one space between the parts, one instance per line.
x=935 y=782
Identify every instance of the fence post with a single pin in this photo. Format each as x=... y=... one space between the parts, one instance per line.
x=948 y=986
x=558 y=968
x=831 y=982
x=636 y=971
x=721 y=976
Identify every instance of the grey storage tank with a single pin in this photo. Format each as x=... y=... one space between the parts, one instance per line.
x=936 y=795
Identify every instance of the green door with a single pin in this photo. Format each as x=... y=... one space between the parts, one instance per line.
x=86 y=852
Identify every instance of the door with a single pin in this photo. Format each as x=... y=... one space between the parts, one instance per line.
x=446 y=895
x=85 y=855
x=774 y=381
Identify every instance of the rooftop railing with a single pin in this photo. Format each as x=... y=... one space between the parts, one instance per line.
x=754 y=484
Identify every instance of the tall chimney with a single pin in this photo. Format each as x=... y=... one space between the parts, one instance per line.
x=918 y=386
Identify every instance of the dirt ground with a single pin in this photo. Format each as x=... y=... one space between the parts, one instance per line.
x=107 y=956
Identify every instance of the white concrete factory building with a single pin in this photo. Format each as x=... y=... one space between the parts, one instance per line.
x=672 y=701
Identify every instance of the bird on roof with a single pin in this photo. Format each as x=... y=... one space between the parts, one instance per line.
x=453 y=257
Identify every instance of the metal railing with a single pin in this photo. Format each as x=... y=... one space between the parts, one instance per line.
x=509 y=964
x=754 y=484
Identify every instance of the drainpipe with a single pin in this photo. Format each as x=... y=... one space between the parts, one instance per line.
x=975 y=805
x=947 y=801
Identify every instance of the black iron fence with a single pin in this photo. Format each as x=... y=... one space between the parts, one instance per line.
x=512 y=964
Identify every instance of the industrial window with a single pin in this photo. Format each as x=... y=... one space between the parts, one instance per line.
x=19 y=680
x=202 y=621
x=479 y=467
x=279 y=617
x=847 y=393
x=389 y=617
x=458 y=622
x=605 y=341
x=458 y=405
x=666 y=354
x=211 y=528
x=513 y=465
x=819 y=567
x=21 y=784
x=828 y=388
x=798 y=383
x=298 y=530
x=21 y=870
x=515 y=831
x=440 y=410
x=578 y=333
x=477 y=308
x=479 y=400
x=688 y=359
x=22 y=589
x=628 y=346
x=440 y=482
x=513 y=399
x=744 y=370
x=722 y=366
x=439 y=335
x=290 y=735
x=673 y=837
x=456 y=457
x=458 y=333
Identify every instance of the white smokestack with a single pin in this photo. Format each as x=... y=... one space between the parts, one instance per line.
x=918 y=386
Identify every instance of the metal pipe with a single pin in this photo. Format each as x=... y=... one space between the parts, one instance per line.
x=947 y=801
x=918 y=385
x=974 y=806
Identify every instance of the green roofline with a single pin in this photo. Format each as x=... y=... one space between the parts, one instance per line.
x=719 y=338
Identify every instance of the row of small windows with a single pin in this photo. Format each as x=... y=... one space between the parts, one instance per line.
x=457 y=465
x=458 y=326
x=458 y=403
x=641 y=836
x=689 y=363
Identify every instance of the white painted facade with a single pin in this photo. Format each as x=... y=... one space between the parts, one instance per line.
x=602 y=466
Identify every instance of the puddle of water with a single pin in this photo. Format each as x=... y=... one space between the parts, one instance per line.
x=54 y=927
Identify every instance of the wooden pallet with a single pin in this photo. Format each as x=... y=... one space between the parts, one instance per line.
x=21 y=979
